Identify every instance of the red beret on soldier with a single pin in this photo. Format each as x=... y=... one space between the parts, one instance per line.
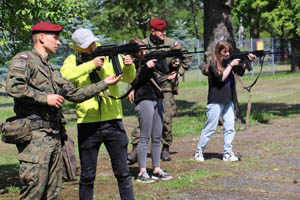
x=46 y=27
x=158 y=24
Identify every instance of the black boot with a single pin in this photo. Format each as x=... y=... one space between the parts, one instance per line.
x=132 y=157
x=165 y=154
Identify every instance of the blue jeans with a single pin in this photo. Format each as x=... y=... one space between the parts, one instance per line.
x=90 y=137
x=213 y=112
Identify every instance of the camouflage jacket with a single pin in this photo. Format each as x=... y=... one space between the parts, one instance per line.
x=166 y=84
x=31 y=78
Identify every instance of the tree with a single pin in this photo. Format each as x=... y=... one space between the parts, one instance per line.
x=17 y=18
x=284 y=20
x=122 y=18
x=248 y=14
x=194 y=15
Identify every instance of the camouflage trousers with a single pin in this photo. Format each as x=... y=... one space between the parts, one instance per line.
x=167 y=135
x=40 y=167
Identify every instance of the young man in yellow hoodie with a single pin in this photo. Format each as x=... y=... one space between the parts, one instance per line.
x=99 y=120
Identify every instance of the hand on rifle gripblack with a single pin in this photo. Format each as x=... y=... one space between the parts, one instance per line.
x=251 y=57
x=151 y=63
x=127 y=60
x=112 y=80
x=99 y=61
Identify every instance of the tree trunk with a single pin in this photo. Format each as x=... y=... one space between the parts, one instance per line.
x=295 y=52
x=217 y=24
x=194 y=14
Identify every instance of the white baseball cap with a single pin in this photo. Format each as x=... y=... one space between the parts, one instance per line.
x=83 y=38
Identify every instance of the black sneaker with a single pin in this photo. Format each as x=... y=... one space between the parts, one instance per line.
x=144 y=178
x=161 y=175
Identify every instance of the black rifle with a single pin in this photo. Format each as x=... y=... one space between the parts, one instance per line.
x=176 y=53
x=243 y=56
x=112 y=52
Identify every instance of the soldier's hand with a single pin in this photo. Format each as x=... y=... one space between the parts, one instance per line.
x=131 y=97
x=151 y=63
x=172 y=75
x=99 y=61
x=55 y=100
x=112 y=80
x=127 y=60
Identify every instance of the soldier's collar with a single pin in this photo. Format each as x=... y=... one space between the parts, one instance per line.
x=156 y=41
x=41 y=57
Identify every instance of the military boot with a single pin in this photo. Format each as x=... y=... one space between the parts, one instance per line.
x=165 y=154
x=132 y=157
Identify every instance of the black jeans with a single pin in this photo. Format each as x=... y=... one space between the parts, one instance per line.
x=90 y=138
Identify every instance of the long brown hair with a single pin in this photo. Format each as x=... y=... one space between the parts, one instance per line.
x=217 y=57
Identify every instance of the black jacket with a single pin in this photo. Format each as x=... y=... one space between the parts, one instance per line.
x=143 y=87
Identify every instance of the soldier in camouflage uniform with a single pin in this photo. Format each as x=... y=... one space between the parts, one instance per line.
x=168 y=74
x=34 y=85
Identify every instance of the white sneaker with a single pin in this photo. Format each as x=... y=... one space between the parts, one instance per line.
x=199 y=156
x=230 y=157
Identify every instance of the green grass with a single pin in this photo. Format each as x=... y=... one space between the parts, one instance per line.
x=185 y=126
x=6 y=113
x=191 y=179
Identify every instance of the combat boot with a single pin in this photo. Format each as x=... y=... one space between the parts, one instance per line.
x=132 y=157
x=165 y=154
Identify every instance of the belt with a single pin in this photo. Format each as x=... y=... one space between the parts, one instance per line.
x=38 y=124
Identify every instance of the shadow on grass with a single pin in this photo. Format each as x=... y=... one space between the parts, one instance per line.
x=276 y=109
x=9 y=177
x=210 y=156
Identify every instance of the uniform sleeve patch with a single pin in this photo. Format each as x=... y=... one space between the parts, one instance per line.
x=23 y=56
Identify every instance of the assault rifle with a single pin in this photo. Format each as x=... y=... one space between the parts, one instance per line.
x=112 y=52
x=176 y=53
x=243 y=56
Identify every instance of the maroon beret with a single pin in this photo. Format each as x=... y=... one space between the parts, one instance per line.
x=45 y=27
x=158 y=24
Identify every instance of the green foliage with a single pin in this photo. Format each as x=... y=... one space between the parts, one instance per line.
x=17 y=18
x=123 y=20
x=285 y=18
x=243 y=14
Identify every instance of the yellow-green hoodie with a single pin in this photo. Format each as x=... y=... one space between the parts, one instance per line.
x=88 y=111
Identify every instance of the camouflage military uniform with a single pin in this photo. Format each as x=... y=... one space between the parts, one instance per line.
x=170 y=89
x=30 y=79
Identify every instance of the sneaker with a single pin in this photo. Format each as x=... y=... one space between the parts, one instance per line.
x=199 y=156
x=161 y=175
x=144 y=178
x=230 y=157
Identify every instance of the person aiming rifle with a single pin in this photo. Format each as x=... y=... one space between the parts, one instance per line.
x=167 y=70
x=99 y=120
